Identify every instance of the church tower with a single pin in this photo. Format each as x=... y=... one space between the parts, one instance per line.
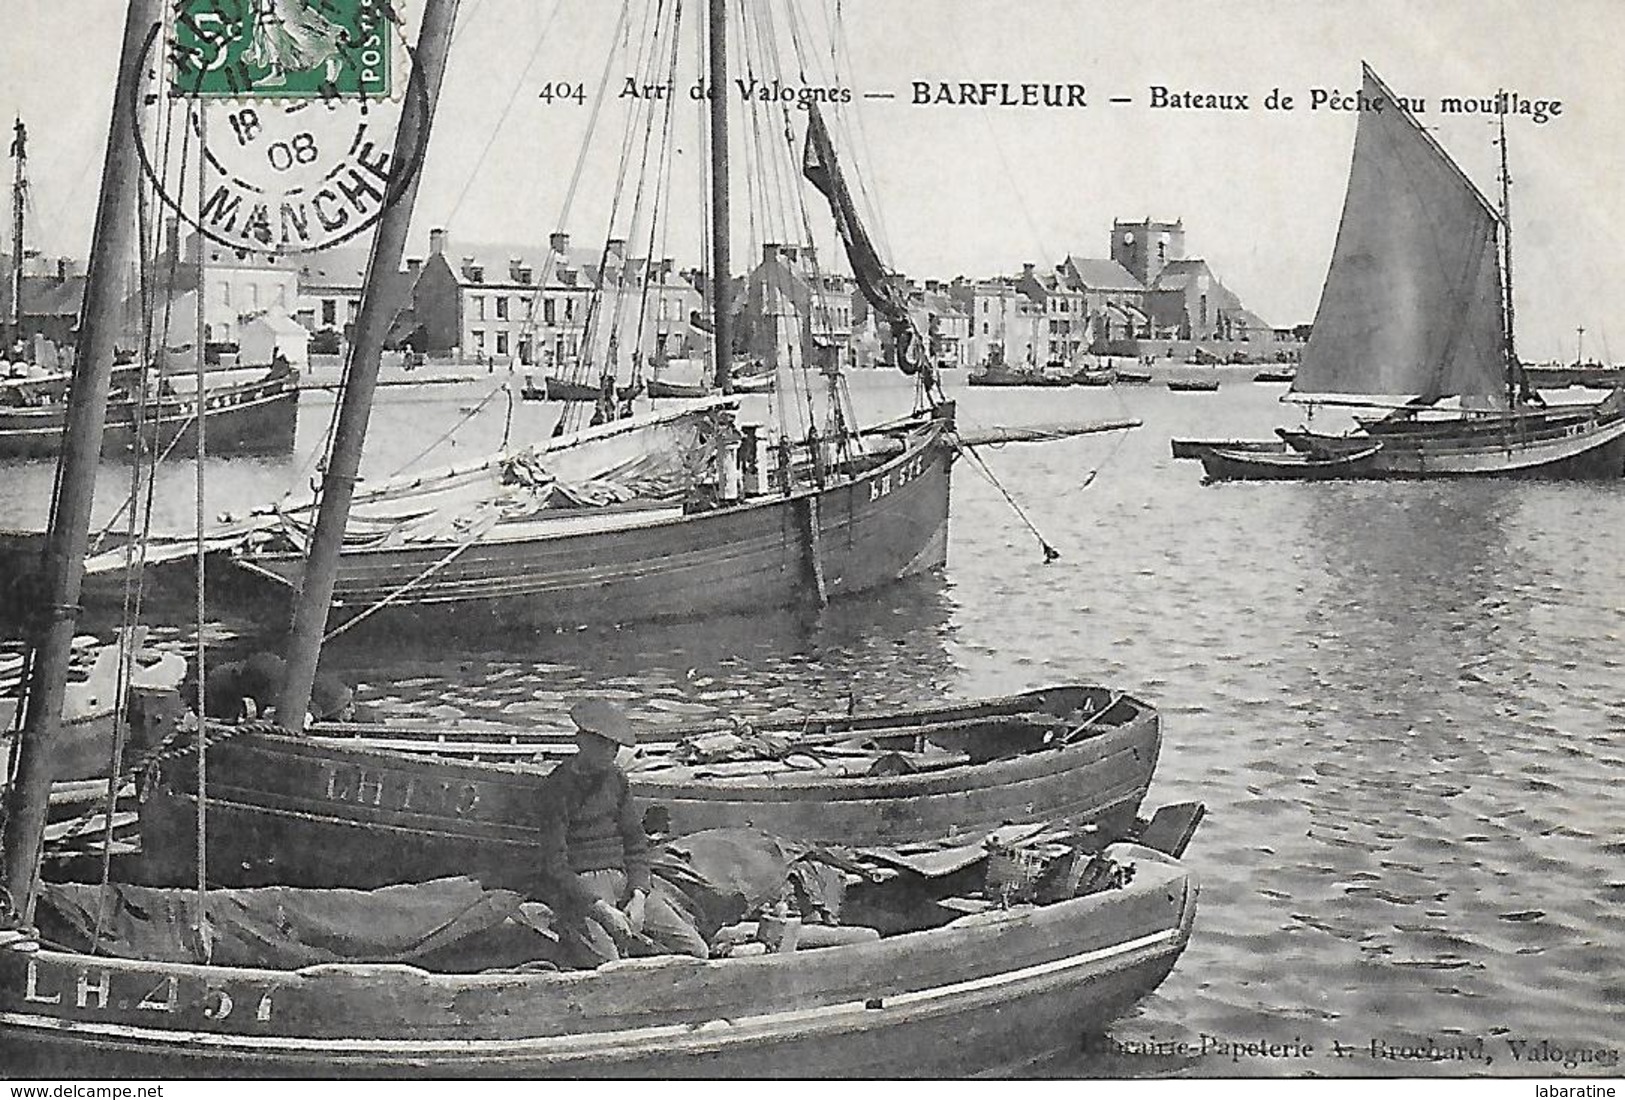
x=1145 y=248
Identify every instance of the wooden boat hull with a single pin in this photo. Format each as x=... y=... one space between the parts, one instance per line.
x=320 y=812
x=257 y=417
x=658 y=389
x=1194 y=448
x=1592 y=449
x=1193 y=385
x=1018 y=378
x=561 y=389
x=1222 y=464
x=994 y=992
x=1094 y=377
x=608 y=568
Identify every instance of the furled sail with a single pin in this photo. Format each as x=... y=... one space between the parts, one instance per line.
x=1412 y=301
x=819 y=165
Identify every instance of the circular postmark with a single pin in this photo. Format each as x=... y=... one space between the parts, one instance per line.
x=277 y=119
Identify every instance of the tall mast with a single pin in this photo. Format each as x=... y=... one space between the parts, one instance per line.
x=361 y=373
x=1514 y=370
x=721 y=279
x=19 y=200
x=69 y=535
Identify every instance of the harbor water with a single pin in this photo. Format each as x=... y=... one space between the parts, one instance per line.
x=1400 y=702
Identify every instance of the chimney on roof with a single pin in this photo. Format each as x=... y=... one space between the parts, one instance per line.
x=770 y=253
x=1027 y=270
x=437 y=241
x=559 y=242
x=414 y=264
x=788 y=251
x=515 y=266
x=616 y=247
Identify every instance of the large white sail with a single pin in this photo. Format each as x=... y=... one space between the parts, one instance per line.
x=1412 y=301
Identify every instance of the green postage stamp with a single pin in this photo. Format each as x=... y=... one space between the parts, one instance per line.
x=285 y=49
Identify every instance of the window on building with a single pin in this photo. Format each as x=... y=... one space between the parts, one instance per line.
x=225 y=294
x=352 y=308
x=477 y=338
x=547 y=311
x=502 y=343
x=253 y=296
x=502 y=307
x=1162 y=252
x=984 y=328
x=1204 y=309
x=569 y=309
x=479 y=307
x=282 y=296
x=330 y=312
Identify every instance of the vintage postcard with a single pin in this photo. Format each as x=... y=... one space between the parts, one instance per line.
x=753 y=539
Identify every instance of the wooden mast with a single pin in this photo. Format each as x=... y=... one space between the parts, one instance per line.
x=69 y=535
x=361 y=373
x=1515 y=380
x=721 y=279
x=19 y=201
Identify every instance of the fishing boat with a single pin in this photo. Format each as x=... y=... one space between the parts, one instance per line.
x=1193 y=385
x=1276 y=374
x=1223 y=464
x=1417 y=309
x=147 y=415
x=1195 y=448
x=257 y=416
x=1133 y=376
x=993 y=973
x=993 y=990
x=371 y=806
x=39 y=386
x=773 y=518
x=1003 y=376
x=658 y=388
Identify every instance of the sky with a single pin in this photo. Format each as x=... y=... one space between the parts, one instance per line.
x=979 y=190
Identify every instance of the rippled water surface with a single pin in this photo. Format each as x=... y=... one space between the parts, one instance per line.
x=1401 y=703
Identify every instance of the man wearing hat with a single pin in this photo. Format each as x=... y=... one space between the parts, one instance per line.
x=596 y=855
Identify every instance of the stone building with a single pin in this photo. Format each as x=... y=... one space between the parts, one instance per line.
x=520 y=303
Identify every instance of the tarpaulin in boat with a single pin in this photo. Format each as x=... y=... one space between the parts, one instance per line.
x=287 y=928
x=819 y=165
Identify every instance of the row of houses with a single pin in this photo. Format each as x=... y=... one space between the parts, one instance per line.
x=535 y=306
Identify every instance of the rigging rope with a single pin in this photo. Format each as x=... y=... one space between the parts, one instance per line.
x=1050 y=553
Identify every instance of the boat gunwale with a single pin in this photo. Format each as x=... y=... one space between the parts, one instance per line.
x=850 y=788
x=925 y=435
x=974 y=934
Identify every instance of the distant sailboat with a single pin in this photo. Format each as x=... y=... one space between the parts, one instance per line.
x=1417 y=309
